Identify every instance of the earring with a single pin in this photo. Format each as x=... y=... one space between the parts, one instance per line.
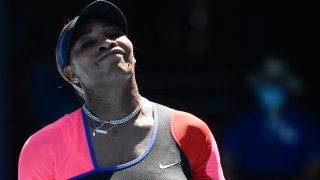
x=75 y=80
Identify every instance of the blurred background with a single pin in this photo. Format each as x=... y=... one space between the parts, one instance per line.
x=247 y=68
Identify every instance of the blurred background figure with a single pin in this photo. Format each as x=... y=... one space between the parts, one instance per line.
x=277 y=138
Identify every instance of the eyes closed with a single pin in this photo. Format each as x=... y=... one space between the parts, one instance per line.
x=91 y=39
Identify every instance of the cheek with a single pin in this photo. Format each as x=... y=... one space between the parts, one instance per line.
x=127 y=45
x=82 y=58
x=80 y=65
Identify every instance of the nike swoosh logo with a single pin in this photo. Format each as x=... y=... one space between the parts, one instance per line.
x=166 y=166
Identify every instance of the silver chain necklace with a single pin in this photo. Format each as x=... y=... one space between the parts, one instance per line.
x=104 y=122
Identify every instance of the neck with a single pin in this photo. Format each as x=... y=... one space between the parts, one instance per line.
x=113 y=103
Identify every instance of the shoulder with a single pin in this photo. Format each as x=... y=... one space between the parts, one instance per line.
x=55 y=130
x=187 y=125
x=46 y=145
x=43 y=150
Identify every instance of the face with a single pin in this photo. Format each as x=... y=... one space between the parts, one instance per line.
x=272 y=97
x=100 y=55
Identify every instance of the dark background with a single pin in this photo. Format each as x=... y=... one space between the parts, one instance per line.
x=192 y=55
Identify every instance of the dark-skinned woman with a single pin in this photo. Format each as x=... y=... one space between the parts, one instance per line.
x=117 y=133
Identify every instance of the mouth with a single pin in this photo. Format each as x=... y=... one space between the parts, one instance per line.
x=113 y=51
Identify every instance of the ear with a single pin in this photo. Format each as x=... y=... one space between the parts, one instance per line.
x=69 y=72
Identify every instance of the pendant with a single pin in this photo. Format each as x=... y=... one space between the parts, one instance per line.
x=99 y=131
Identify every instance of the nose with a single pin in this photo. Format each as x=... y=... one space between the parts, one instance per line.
x=107 y=44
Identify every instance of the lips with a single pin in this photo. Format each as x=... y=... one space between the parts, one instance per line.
x=115 y=50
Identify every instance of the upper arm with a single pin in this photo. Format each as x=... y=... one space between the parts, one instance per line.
x=36 y=160
x=197 y=142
